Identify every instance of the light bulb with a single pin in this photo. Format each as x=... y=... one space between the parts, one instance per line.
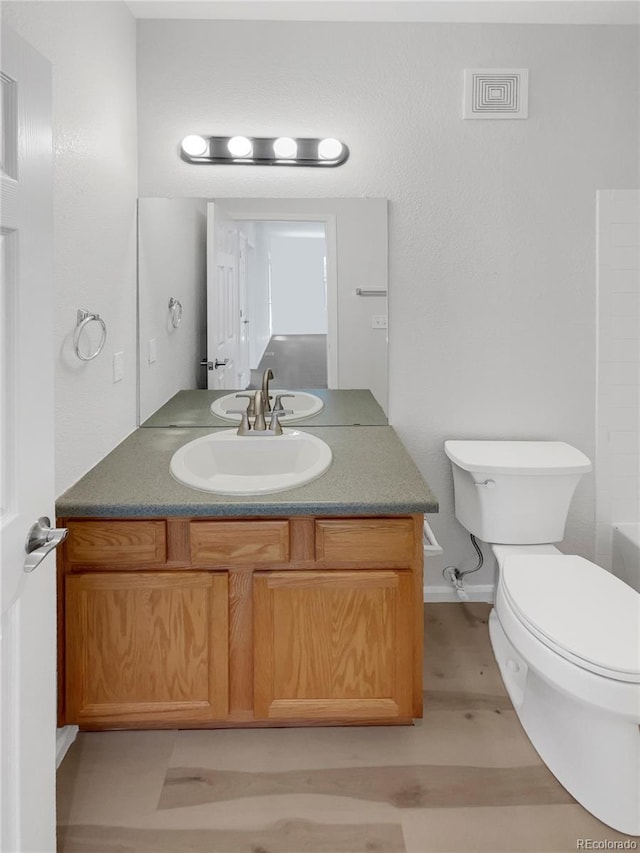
x=240 y=146
x=329 y=149
x=285 y=148
x=194 y=146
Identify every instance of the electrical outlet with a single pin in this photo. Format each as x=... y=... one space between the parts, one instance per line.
x=152 y=350
x=118 y=366
x=379 y=321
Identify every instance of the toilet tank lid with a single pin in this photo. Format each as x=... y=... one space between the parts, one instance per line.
x=517 y=457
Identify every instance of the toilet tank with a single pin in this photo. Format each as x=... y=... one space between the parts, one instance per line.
x=515 y=492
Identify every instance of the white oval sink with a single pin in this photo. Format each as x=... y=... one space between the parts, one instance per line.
x=226 y=463
x=302 y=404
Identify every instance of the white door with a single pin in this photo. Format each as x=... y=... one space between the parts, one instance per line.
x=222 y=299
x=27 y=601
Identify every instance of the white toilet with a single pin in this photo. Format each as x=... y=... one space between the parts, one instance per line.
x=565 y=632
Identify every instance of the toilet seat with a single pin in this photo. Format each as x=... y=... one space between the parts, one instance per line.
x=559 y=598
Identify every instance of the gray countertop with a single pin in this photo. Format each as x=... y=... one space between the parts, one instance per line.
x=371 y=473
x=344 y=407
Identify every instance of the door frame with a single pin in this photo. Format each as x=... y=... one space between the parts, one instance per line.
x=222 y=314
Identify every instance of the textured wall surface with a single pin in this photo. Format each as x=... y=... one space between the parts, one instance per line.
x=172 y=240
x=492 y=223
x=92 y=50
x=618 y=427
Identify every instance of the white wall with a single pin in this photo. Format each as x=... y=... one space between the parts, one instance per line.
x=492 y=223
x=298 y=285
x=618 y=401
x=92 y=48
x=172 y=263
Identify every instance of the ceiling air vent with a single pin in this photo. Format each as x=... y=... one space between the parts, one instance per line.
x=496 y=93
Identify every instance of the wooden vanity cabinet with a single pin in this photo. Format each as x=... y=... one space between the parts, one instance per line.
x=239 y=622
x=332 y=645
x=146 y=646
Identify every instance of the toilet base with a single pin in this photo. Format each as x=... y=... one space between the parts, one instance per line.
x=592 y=751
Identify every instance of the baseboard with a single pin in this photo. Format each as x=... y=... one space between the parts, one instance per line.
x=64 y=738
x=477 y=592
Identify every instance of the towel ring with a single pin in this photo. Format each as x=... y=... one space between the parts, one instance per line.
x=175 y=307
x=83 y=320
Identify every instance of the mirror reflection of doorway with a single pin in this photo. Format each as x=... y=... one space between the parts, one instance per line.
x=287 y=285
x=276 y=290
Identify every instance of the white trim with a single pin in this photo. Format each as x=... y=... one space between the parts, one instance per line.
x=477 y=592
x=11 y=803
x=331 y=229
x=64 y=738
x=430 y=11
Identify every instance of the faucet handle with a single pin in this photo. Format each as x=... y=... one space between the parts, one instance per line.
x=277 y=406
x=251 y=409
x=274 y=423
x=245 y=426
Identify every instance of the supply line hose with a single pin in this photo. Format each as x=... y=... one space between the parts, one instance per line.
x=455 y=576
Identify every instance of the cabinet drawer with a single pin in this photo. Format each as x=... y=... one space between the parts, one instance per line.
x=116 y=543
x=370 y=540
x=237 y=543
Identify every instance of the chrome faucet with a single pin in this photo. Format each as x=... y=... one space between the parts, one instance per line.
x=266 y=376
x=259 y=422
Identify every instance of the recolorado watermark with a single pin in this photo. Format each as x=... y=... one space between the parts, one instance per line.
x=593 y=844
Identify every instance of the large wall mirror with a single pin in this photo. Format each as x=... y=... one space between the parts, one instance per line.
x=229 y=287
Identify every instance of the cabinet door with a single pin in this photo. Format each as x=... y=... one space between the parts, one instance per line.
x=333 y=645
x=146 y=648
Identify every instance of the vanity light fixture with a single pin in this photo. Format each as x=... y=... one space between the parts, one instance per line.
x=240 y=146
x=194 y=146
x=329 y=149
x=263 y=151
x=285 y=148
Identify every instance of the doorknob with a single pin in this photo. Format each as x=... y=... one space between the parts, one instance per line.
x=211 y=365
x=41 y=540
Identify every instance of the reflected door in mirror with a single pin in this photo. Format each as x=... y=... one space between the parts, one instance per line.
x=223 y=299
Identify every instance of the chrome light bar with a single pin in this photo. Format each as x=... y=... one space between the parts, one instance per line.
x=263 y=151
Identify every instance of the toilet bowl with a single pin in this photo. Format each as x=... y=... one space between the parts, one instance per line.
x=565 y=632
x=578 y=698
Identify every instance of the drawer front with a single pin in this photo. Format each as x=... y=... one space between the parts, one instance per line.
x=368 y=540
x=116 y=543
x=239 y=543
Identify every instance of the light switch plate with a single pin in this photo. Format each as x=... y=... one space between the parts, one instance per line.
x=118 y=366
